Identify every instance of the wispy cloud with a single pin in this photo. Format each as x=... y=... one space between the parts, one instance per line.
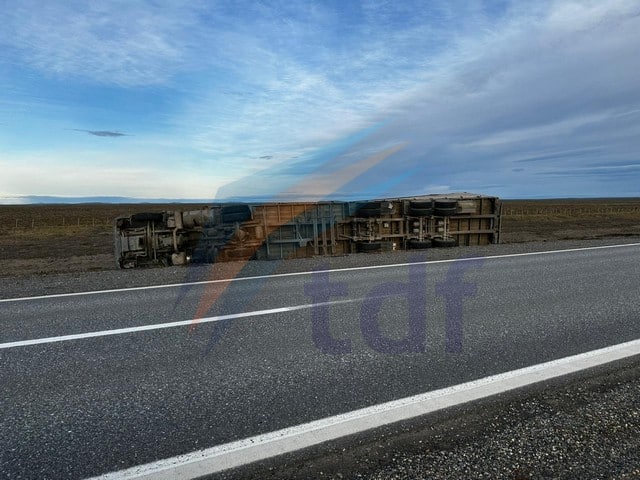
x=103 y=133
x=484 y=93
x=546 y=77
x=319 y=76
x=119 y=43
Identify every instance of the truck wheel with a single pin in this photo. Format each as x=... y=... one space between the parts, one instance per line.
x=421 y=209
x=445 y=208
x=420 y=212
x=235 y=213
x=234 y=217
x=369 y=247
x=421 y=204
x=444 y=242
x=235 y=208
x=419 y=244
x=199 y=255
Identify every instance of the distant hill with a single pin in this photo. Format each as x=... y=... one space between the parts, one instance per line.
x=45 y=199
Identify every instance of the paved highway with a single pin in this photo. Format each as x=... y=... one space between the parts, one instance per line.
x=98 y=383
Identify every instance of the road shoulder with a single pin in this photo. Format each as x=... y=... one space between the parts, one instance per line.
x=585 y=425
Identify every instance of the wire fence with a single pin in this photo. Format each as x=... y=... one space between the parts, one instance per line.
x=570 y=210
x=60 y=222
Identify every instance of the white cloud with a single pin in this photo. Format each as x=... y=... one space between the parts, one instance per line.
x=254 y=85
x=285 y=105
x=564 y=127
x=537 y=81
x=95 y=173
x=550 y=76
x=117 y=42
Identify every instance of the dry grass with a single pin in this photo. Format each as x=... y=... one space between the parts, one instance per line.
x=84 y=215
x=566 y=219
x=42 y=239
x=55 y=238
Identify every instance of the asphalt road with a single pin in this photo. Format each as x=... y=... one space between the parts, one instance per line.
x=77 y=408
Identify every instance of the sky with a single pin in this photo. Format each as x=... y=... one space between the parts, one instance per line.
x=319 y=100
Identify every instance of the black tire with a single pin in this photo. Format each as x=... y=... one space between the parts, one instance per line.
x=235 y=217
x=420 y=212
x=199 y=255
x=235 y=208
x=371 y=209
x=445 y=204
x=369 y=247
x=445 y=208
x=419 y=244
x=444 y=242
x=212 y=254
x=421 y=204
x=204 y=254
x=235 y=213
x=147 y=217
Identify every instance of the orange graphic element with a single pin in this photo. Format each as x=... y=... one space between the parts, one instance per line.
x=310 y=185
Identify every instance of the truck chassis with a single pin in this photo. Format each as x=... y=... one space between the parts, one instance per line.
x=244 y=231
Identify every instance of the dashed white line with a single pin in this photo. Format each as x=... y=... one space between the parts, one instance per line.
x=260 y=447
x=293 y=274
x=158 y=326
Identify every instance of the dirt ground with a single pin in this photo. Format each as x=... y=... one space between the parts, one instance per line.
x=48 y=239
x=569 y=219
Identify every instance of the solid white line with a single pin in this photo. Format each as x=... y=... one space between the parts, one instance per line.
x=260 y=447
x=158 y=326
x=293 y=274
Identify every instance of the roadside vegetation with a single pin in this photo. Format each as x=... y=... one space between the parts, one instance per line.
x=43 y=239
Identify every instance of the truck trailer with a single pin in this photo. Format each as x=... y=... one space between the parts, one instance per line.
x=277 y=230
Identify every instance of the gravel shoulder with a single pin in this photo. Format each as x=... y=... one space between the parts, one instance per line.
x=583 y=426
x=24 y=284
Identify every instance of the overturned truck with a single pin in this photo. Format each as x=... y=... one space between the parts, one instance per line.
x=243 y=231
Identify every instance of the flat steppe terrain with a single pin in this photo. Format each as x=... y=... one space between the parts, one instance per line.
x=47 y=239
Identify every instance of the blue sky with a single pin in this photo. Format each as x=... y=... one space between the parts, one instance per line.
x=286 y=99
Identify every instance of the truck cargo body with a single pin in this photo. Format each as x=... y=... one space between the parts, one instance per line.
x=243 y=231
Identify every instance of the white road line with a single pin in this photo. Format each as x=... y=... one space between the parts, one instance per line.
x=293 y=274
x=260 y=447
x=158 y=326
